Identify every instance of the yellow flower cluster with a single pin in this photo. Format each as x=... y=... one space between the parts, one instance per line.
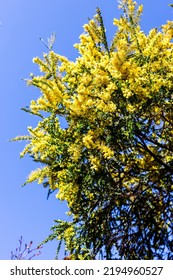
x=95 y=162
x=88 y=140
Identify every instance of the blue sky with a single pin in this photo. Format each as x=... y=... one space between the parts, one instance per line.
x=26 y=211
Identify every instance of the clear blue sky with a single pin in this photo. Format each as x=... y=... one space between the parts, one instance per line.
x=25 y=211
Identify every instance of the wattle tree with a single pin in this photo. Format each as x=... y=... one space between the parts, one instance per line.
x=113 y=164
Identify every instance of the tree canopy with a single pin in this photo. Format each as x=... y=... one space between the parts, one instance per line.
x=113 y=164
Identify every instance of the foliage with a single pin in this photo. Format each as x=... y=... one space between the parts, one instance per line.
x=113 y=164
x=21 y=254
